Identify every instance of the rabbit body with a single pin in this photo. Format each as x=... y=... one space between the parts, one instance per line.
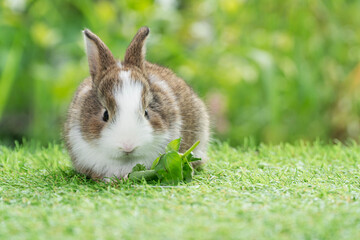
x=126 y=112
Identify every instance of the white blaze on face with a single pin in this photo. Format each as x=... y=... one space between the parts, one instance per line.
x=129 y=109
x=128 y=98
x=130 y=130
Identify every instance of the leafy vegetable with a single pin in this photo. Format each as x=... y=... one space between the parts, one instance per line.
x=139 y=167
x=171 y=167
x=148 y=175
x=173 y=145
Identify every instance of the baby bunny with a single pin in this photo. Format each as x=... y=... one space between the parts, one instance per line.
x=126 y=112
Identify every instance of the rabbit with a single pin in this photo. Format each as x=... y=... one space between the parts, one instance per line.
x=126 y=112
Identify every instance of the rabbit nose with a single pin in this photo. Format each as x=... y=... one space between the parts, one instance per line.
x=128 y=147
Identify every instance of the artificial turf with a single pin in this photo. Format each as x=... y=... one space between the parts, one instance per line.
x=300 y=191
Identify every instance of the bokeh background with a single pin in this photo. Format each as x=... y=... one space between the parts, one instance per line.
x=270 y=71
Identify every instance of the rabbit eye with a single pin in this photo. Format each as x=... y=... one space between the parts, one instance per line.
x=106 y=116
x=146 y=114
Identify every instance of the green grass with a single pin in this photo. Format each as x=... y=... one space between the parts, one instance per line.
x=301 y=191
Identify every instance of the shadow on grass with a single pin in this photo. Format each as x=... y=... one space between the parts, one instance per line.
x=69 y=177
x=66 y=176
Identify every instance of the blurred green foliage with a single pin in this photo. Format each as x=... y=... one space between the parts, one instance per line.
x=269 y=70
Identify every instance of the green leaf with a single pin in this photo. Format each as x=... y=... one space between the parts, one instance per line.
x=187 y=172
x=155 y=163
x=138 y=167
x=191 y=149
x=148 y=175
x=174 y=167
x=191 y=158
x=174 y=145
x=160 y=166
x=169 y=168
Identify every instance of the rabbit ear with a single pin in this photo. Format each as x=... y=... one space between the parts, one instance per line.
x=99 y=56
x=135 y=53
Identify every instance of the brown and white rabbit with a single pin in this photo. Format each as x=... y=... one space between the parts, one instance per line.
x=126 y=112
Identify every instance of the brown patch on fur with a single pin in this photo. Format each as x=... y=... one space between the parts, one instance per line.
x=91 y=117
x=135 y=53
x=162 y=110
x=110 y=81
x=195 y=120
